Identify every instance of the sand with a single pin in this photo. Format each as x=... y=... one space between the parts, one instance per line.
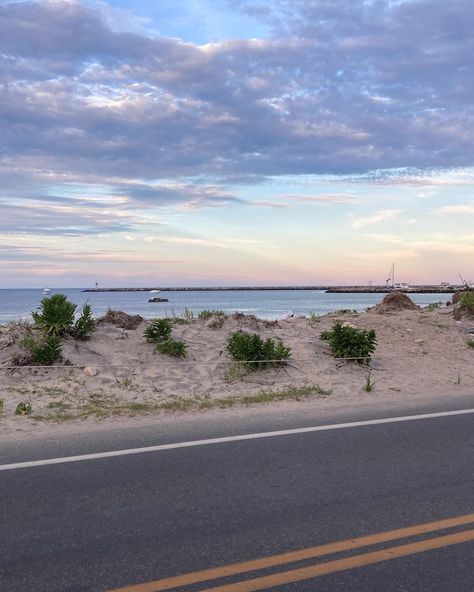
x=117 y=374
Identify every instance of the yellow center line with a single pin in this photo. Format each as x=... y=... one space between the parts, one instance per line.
x=300 y=555
x=313 y=571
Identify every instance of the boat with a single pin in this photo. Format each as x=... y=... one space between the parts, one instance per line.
x=154 y=291
x=46 y=291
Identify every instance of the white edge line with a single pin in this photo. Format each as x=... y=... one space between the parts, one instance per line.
x=193 y=443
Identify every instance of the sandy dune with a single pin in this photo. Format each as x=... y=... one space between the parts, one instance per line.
x=117 y=372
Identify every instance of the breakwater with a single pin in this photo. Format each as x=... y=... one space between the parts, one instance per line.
x=421 y=289
x=385 y=290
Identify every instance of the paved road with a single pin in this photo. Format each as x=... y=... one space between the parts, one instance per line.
x=107 y=523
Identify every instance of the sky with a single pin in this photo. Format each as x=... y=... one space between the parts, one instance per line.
x=236 y=142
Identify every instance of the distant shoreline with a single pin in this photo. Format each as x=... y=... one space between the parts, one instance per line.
x=425 y=289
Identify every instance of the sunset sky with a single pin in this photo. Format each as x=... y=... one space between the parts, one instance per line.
x=236 y=142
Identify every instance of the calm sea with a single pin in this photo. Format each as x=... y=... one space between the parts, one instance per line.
x=274 y=304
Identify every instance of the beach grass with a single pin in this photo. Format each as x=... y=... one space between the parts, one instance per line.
x=100 y=404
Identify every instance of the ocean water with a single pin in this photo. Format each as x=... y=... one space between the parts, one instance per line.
x=267 y=304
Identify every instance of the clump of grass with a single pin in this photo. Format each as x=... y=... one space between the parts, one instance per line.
x=470 y=343
x=295 y=393
x=319 y=390
x=433 y=306
x=289 y=393
x=217 y=322
x=18 y=324
x=20 y=390
x=143 y=406
x=44 y=350
x=235 y=372
x=182 y=404
x=188 y=315
x=159 y=330
x=369 y=384
x=58 y=416
x=59 y=405
x=176 y=348
x=126 y=382
x=313 y=317
x=49 y=391
x=205 y=314
x=256 y=353
x=98 y=404
x=2 y=404
x=350 y=342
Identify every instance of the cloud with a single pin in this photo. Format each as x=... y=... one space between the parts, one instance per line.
x=324 y=198
x=70 y=220
x=228 y=243
x=344 y=88
x=275 y=205
x=69 y=207
x=406 y=176
x=458 y=244
x=185 y=195
x=380 y=216
x=456 y=209
x=102 y=124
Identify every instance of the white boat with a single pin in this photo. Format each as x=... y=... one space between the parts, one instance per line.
x=46 y=291
x=154 y=291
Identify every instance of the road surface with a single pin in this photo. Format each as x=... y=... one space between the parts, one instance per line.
x=279 y=502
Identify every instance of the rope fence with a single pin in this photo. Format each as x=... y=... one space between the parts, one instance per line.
x=182 y=363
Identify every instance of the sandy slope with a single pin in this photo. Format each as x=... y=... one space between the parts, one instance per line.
x=419 y=353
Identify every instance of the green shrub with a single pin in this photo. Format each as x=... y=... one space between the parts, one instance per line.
x=45 y=350
x=85 y=324
x=171 y=347
x=350 y=342
x=252 y=350
x=23 y=408
x=159 y=330
x=56 y=316
x=470 y=343
x=466 y=301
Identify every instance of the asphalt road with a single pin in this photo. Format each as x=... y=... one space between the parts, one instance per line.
x=97 y=525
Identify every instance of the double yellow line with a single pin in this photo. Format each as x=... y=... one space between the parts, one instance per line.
x=313 y=571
